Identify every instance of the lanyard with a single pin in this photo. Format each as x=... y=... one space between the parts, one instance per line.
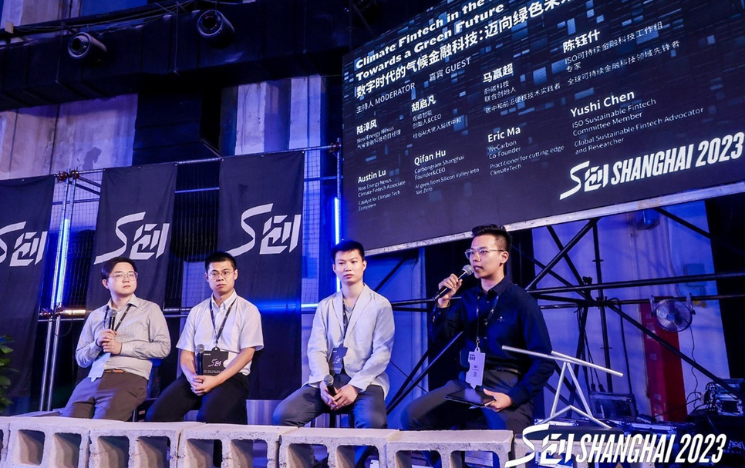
x=486 y=322
x=106 y=316
x=346 y=319
x=212 y=315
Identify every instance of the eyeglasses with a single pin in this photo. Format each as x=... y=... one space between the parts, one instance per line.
x=214 y=274
x=121 y=275
x=470 y=253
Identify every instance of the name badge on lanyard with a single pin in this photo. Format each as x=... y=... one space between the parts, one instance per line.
x=476 y=359
x=475 y=375
x=337 y=359
x=213 y=362
x=338 y=353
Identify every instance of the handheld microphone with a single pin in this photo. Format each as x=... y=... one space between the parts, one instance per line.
x=110 y=320
x=198 y=360
x=328 y=381
x=467 y=271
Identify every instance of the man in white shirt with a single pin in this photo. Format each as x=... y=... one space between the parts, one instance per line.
x=117 y=342
x=351 y=340
x=216 y=346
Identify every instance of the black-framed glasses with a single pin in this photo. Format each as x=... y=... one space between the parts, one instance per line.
x=471 y=253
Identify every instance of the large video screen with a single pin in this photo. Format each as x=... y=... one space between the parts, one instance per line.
x=493 y=111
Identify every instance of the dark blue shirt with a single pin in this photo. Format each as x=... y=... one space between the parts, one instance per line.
x=507 y=315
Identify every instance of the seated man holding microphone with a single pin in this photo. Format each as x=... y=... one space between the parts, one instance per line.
x=118 y=342
x=349 y=349
x=494 y=313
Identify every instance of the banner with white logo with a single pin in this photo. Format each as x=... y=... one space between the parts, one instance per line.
x=134 y=220
x=261 y=206
x=25 y=211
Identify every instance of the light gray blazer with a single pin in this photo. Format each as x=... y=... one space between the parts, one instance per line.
x=369 y=339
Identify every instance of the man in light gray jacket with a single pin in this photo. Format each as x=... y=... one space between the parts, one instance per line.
x=351 y=341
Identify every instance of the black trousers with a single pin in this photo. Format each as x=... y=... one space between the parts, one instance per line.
x=432 y=411
x=225 y=403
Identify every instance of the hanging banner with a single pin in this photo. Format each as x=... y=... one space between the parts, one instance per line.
x=25 y=211
x=134 y=220
x=261 y=205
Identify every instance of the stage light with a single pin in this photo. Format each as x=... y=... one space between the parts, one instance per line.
x=215 y=28
x=83 y=46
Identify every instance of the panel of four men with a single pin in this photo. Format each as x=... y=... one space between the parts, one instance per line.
x=349 y=348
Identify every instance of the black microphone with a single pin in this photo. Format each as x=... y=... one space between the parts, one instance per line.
x=198 y=360
x=328 y=381
x=110 y=320
x=467 y=271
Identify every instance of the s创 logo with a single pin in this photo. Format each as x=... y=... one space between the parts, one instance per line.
x=28 y=247
x=280 y=232
x=617 y=448
x=149 y=239
x=594 y=178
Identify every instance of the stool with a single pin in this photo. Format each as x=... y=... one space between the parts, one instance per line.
x=335 y=418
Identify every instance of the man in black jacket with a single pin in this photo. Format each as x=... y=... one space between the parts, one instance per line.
x=495 y=313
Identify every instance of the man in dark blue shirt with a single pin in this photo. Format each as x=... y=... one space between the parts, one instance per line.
x=495 y=313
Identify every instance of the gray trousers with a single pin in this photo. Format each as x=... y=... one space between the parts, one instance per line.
x=113 y=396
x=305 y=404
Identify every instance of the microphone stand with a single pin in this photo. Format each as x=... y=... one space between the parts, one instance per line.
x=566 y=366
x=404 y=393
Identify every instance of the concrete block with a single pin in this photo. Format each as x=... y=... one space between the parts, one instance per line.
x=448 y=444
x=196 y=447
x=40 y=414
x=340 y=444
x=51 y=442
x=4 y=436
x=137 y=445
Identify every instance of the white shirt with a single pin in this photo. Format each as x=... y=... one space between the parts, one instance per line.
x=242 y=328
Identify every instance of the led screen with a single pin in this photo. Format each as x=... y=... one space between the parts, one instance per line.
x=503 y=112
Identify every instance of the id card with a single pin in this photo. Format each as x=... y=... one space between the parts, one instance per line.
x=213 y=362
x=475 y=375
x=337 y=359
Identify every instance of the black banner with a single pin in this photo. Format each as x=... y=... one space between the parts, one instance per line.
x=261 y=205
x=134 y=220
x=25 y=210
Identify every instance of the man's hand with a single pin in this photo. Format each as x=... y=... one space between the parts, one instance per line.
x=453 y=284
x=193 y=379
x=326 y=396
x=345 y=396
x=112 y=346
x=103 y=336
x=501 y=400
x=204 y=383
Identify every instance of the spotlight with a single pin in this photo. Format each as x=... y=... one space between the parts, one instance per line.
x=215 y=28
x=83 y=46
